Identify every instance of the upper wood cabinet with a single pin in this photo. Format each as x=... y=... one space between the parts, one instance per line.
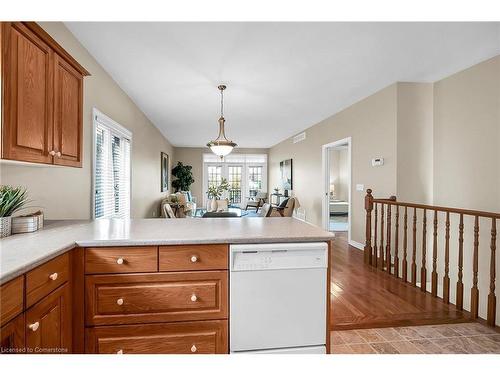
x=42 y=91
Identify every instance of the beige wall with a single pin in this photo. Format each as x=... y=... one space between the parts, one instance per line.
x=415 y=142
x=194 y=156
x=372 y=125
x=467 y=138
x=65 y=193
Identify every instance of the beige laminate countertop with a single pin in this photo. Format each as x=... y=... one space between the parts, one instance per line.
x=22 y=252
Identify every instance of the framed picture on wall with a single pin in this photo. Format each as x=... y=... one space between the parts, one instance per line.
x=286 y=174
x=164 y=171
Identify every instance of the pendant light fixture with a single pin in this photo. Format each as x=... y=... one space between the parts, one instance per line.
x=221 y=146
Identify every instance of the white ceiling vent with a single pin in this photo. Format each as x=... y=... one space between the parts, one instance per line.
x=299 y=137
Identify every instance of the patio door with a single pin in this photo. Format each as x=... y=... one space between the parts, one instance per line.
x=235 y=180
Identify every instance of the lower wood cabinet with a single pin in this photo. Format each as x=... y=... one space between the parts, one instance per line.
x=48 y=323
x=205 y=337
x=12 y=336
x=156 y=297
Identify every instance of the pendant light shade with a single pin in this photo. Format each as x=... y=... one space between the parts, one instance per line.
x=221 y=146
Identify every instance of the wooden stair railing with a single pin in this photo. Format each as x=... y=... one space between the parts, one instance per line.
x=382 y=253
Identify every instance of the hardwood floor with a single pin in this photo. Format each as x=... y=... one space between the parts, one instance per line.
x=364 y=297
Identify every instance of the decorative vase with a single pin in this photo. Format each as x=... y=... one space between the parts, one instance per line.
x=5 y=226
x=213 y=205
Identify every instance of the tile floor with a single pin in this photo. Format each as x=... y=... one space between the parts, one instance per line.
x=464 y=338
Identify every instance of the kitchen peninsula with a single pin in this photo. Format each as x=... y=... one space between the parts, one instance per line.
x=139 y=286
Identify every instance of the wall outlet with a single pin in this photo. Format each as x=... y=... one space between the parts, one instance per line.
x=377 y=162
x=360 y=187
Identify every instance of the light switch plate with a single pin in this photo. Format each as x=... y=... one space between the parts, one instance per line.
x=360 y=187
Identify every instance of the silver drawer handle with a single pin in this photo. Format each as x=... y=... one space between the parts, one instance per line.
x=34 y=326
x=194 y=349
x=119 y=261
x=119 y=351
x=194 y=259
x=53 y=276
x=194 y=298
x=119 y=301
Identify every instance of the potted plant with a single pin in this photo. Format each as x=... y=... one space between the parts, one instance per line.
x=184 y=177
x=215 y=193
x=12 y=199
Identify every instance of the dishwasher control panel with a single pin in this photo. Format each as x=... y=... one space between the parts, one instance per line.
x=279 y=256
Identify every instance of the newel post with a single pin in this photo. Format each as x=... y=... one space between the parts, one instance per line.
x=368 y=234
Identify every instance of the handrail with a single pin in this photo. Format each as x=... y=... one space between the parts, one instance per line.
x=491 y=215
x=383 y=252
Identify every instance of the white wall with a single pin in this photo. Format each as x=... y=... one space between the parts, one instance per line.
x=339 y=173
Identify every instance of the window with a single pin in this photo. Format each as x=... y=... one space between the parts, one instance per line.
x=245 y=173
x=254 y=180
x=112 y=144
x=214 y=175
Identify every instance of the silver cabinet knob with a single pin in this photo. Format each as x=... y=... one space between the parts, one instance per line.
x=58 y=154
x=53 y=276
x=194 y=349
x=119 y=261
x=194 y=298
x=52 y=153
x=34 y=326
x=119 y=301
x=119 y=351
x=194 y=259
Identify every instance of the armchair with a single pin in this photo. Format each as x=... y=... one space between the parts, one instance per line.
x=257 y=201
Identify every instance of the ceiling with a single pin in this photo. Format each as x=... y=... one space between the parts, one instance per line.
x=281 y=77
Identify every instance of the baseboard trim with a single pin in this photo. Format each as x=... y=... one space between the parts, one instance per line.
x=357 y=245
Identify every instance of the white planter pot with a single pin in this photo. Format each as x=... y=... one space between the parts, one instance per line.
x=5 y=226
x=212 y=205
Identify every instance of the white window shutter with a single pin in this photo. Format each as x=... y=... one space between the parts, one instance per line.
x=112 y=171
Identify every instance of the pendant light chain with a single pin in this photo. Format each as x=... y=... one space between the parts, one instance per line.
x=222 y=103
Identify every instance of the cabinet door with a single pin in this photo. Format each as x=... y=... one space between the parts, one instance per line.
x=27 y=77
x=48 y=323
x=12 y=336
x=68 y=101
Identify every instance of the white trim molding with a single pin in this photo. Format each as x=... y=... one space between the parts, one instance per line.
x=357 y=245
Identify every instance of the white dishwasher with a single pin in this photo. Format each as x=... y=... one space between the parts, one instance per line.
x=278 y=298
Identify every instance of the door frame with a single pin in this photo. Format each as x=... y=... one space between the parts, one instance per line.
x=325 y=214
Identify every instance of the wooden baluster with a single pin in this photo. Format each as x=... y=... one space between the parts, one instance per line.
x=396 y=245
x=381 y=262
x=388 y=242
x=405 y=245
x=492 y=299
x=460 y=284
x=446 y=278
x=423 y=268
x=474 y=292
x=434 y=275
x=368 y=234
x=375 y=243
x=414 y=253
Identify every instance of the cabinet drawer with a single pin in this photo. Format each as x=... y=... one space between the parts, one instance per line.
x=46 y=278
x=158 y=297
x=193 y=257
x=11 y=299
x=121 y=259
x=209 y=337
